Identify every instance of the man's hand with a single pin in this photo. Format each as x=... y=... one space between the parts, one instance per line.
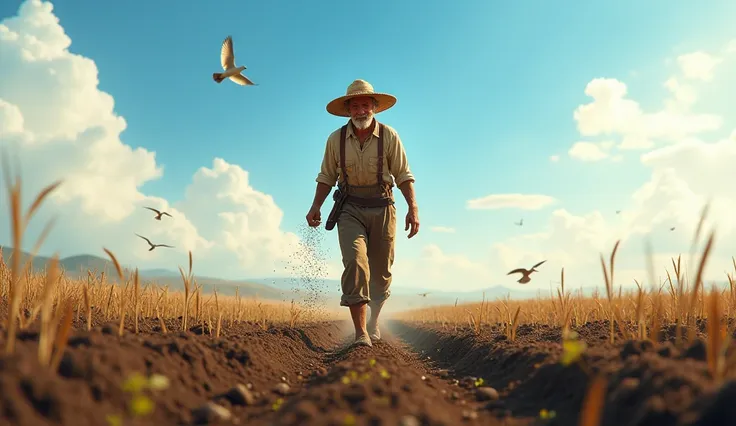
x=314 y=217
x=412 y=220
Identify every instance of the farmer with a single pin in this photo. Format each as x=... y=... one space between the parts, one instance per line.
x=367 y=156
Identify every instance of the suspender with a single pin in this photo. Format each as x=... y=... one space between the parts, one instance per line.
x=343 y=134
x=379 y=172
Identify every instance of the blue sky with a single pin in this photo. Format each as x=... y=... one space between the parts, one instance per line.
x=486 y=93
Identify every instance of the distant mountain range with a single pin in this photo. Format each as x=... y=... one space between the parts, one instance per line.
x=283 y=288
x=279 y=288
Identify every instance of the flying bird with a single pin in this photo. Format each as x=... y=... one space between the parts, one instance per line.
x=153 y=246
x=158 y=213
x=227 y=60
x=519 y=223
x=525 y=278
x=672 y=229
x=618 y=211
x=423 y=294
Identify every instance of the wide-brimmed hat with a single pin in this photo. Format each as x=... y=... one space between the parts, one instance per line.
x=360 y=88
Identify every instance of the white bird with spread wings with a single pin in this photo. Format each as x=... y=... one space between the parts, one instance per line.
x=227 y=60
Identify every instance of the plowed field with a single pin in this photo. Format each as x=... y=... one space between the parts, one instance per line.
x=308 y=375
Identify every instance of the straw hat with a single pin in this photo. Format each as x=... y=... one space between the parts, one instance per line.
x=360 y=88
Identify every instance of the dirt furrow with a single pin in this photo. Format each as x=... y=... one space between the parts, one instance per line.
x=244 y=371
x=648 y=383
x=386 y=385
x=418 y=375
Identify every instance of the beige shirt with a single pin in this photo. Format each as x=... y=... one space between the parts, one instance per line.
x=362 y=164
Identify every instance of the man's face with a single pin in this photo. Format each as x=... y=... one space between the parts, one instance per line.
x=361 y=111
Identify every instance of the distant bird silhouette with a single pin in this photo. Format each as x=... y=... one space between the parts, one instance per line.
x=227 y=60
x=158 y=213
x=519 y=223
x=153 y=246
x=618 y=211
x=423 y=294
x=672 y=229
x=525 y=278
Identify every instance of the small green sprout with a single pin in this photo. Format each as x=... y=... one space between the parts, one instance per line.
x=139 y=405
x=479 y=382
x=572 y=349
x=114 y=420
x=277 y=404
x=545 y=414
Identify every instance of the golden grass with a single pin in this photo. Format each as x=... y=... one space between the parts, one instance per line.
x=632 y=314
x=592 y=409
x=59 y=298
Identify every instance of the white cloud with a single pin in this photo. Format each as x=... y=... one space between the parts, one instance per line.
x=442 y=229
x=683 y=178
x=554 y=158
x=443 y=271
x=510 y=201
x=683 y=95
x=63 y=126
x=612 y=113
x=683 y=175
x=698 y=65
x=731 y=47
x=589 y=151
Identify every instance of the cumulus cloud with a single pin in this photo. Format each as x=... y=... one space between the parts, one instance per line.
x=62 y=126
x=442 y=229
x=589 y=151
x=683 y=178
x=731 y=47
x=698 y=65
x=443 y=271
x=511 y=201
x=612 y=113
x=683 y=174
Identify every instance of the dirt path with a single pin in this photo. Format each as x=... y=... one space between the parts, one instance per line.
x=308 y=376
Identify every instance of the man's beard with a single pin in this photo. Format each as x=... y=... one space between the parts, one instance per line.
x=363 y=123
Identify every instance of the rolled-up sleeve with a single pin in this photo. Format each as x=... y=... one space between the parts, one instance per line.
x=328 y=170
x=398 y=163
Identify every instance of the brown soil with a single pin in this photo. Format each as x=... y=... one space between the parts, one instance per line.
x=419 y=375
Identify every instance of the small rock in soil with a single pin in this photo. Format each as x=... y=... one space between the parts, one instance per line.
x=210 y=412
x=281 y=389
x=409 y=421
x=470 y=415
x=486 y=393
x=240 y=395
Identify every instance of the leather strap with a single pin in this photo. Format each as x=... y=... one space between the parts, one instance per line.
x=379 y=173
x=343 y=134
x=369 y=202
